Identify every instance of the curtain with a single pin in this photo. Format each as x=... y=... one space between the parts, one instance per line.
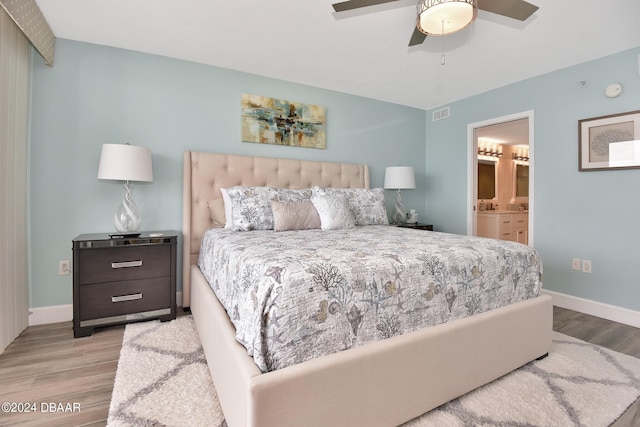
x=14 y=121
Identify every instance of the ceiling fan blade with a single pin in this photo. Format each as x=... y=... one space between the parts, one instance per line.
x=357 y=4
x=516 y=9
x=417 y=37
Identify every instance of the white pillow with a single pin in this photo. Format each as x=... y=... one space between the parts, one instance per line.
x=333 y=211
x=228 y=211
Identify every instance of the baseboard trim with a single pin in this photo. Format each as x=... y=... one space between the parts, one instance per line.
x=594 y=308
x=62 y=313
x=50 y=314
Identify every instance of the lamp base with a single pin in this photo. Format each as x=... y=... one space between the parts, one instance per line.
x=127 y=217
x=400 y=213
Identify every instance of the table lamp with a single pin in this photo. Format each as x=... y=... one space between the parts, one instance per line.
x=128 y=163
x=399 y=178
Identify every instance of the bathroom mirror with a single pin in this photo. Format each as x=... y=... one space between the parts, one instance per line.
x=487 y=179
x=521 y=184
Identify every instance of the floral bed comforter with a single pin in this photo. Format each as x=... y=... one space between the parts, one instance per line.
x=298 y=295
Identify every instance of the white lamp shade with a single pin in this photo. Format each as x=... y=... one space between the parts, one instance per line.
x=125 y=162
x=399 y=178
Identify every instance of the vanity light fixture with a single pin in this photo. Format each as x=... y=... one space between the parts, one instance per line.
x=128 y=163
x=399 y=178
x=520 y=155
x=489 y=151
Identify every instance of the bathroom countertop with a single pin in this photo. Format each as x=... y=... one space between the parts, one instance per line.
x=502 y=211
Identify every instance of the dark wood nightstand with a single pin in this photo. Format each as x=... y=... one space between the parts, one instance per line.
x=417 y=226
x=121 y=280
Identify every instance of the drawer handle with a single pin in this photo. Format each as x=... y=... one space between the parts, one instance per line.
x=126 y=264
x=131 y=297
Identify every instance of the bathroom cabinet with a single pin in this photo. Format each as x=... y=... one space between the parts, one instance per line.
x=504 y=225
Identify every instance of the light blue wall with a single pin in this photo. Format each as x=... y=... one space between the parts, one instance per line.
x=96 y=95
x=587 y=215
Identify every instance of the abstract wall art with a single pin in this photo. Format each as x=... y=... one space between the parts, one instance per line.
x=281 y=122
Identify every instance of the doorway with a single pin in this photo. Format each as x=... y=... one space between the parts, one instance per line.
x=508 y=123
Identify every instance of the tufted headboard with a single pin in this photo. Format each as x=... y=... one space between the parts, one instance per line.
x=205 y=173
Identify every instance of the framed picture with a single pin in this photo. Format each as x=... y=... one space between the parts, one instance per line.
x=609 y=142
x=281 y=122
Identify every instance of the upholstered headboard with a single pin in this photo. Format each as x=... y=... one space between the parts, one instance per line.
x=205 y=173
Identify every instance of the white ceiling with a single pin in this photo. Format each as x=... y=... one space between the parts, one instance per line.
x=361 y=52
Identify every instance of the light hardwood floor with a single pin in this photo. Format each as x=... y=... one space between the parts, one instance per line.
x=45 y=364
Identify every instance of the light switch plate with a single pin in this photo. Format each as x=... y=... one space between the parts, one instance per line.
x=575 y=264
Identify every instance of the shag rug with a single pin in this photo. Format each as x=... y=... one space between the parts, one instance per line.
x=163 y=379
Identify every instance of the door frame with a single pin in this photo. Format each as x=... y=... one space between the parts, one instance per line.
x=472 y=169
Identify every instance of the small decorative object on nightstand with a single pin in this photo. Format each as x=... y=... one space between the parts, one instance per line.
x=412 y=217
x=123 y=279
x=417 y=226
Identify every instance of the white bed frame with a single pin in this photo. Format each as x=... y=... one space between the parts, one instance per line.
x=384 y=383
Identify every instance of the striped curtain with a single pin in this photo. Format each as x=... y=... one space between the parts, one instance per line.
x=14 y=119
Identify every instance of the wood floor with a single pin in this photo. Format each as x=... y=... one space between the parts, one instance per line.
x=45 y=364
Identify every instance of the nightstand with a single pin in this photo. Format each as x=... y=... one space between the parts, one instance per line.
x=123 y=279
x=417 y=226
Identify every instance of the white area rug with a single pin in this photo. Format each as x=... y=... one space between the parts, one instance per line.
x=163 y=379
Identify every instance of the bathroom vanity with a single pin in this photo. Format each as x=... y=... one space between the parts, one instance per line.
x=504 y=225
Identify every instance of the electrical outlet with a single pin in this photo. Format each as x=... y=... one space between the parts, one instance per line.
x=575 y=264
x=64 y=267
x=586 y=266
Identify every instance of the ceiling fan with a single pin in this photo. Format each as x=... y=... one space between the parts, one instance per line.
x=441 y=17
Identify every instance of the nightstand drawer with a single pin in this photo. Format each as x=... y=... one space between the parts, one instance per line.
x=116 y=298
x=115 y=264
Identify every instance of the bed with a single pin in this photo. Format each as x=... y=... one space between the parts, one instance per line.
x=383 y=383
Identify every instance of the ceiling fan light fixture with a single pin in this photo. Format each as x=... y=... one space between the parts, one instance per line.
x=442 y=17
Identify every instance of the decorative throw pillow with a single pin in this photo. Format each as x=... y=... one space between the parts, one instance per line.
x=366 y=205
x=294 y=216
x=333 y=211
x=288 y=195
x=250 y=208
